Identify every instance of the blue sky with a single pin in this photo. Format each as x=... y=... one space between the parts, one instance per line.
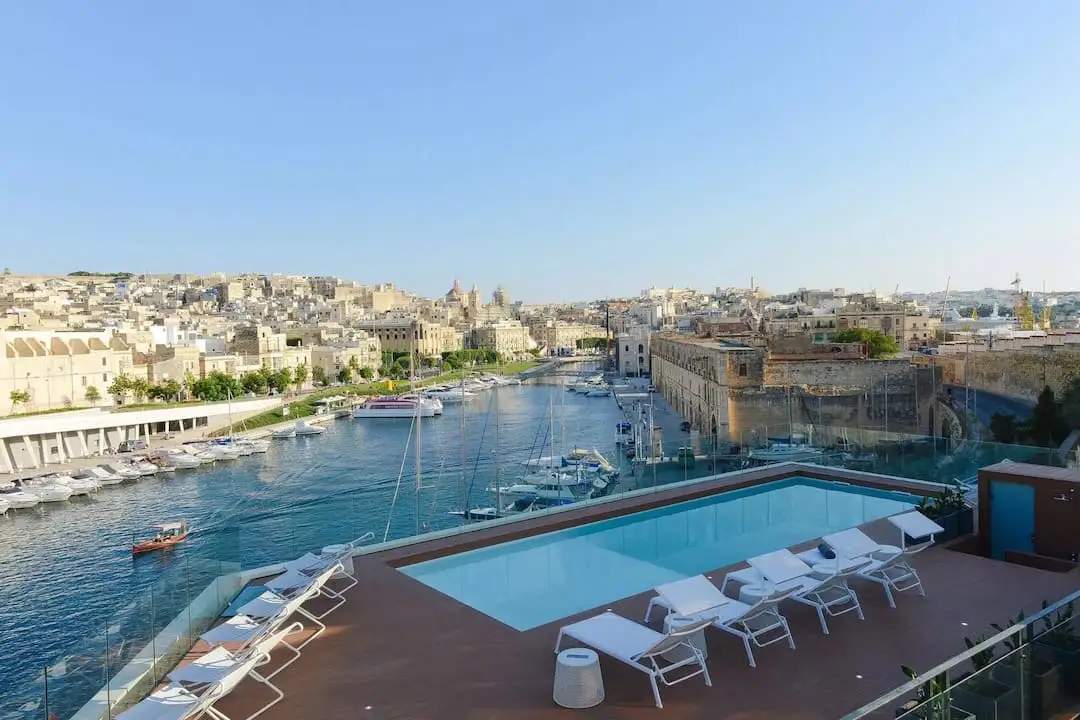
x=567 y=149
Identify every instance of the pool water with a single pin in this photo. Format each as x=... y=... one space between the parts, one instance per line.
x=527 y=583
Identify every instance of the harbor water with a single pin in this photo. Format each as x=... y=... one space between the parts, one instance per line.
x=71 y=593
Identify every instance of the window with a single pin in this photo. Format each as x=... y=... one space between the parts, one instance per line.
x=627 y=348
x=104 y=361
x=104 y=377
x=640 y=348
x=84 y=381
x=742 y=369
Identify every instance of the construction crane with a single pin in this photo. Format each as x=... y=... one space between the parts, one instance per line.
x=1025 y=316
x=945 y=301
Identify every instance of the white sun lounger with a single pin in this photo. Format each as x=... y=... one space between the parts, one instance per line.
x=779 y=568
x=174 y=702
x=696 y=597
x=171 y=702
x=292 y=583
x=830 y=594
x=219 y=656
x=312 y=564
x=915 y=525
x=895 y=573
x=640 y=647
x=855 y=544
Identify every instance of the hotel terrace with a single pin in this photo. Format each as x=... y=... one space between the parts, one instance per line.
x=463 y=623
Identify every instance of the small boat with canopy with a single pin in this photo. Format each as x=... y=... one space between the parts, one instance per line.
x=166 y=536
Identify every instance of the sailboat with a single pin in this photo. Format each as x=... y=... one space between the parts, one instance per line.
x=484 y=513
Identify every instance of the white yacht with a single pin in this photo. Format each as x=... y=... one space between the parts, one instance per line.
x=107 y=479
x=177 y=458
x=449 y=395
x=587 y=460
x=786 y=452
x=221 y=452
x=128 y=473
x=598 y=391
x=240 y=448
x=78 y=486
x=432 y=402
x=143 y=466
x=198 y=452
x=393 y=407
x=257 y=446
x=19 y=499
x=303 y=427
x=283 y=433
x=47 y=491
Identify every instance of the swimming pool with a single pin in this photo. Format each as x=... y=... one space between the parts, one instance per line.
x=529 y=582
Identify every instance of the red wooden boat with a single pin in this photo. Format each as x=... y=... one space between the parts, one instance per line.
x=167 y=535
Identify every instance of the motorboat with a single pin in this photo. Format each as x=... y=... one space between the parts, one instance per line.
x=221 y=452
x=177 y=458
x=142 y=466
x=19 y=499
x=78 y=485
x=432 y=402
x=242 y=449
x=598 y=391
x=786 y=452
x=199 y=452
x=393 y=407
x=284 y=433
x=143 y=463
x=449 y=395
x=257 y=446
x=303 y=427
x=588 y=460
x=107 y=479
x=167 y=535
x=624 y=432
x=47 y=491
x=124 y=471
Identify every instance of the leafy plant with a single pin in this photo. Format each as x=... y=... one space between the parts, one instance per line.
x=1059 y=629
x=1013 y=642
x=981 y=659
x=933 y=701
x=950 y=501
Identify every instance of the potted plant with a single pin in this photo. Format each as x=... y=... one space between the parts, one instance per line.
x=1041 y=681
x=979 y=693
x=1057 y=642
x=932 y=701
x=949 y=510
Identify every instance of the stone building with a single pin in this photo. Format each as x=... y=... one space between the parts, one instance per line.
x=508 y=338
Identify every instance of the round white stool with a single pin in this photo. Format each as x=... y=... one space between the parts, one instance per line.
x=346 y=561
x=578 y=683
x=751 y=594
x=678 y=653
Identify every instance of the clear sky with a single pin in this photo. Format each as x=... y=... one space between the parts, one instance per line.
x=567 y=149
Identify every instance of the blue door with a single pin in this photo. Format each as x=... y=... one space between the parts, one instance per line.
x=1012 y=518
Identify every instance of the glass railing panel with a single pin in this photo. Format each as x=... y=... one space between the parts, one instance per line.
x=1055 y=661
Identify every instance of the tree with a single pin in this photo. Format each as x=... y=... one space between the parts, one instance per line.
x=19 y=397
x=1047 y=426
x=120 y=387
x=300 y=376
x=255 y=382
x=170 y=390
x=1070 y=404
x=216 y=386
x=367 y=373
x=344 y=375
x=318 y=376
x=93 y=395
x=140 y=388
x=877 y=343
x=354 y=364
x=1005 y=428
x=280 y=380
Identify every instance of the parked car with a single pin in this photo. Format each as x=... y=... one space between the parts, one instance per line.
x=127 y=446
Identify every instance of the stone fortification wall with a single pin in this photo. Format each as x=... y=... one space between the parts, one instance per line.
x=846 y=374
x=1021 y=373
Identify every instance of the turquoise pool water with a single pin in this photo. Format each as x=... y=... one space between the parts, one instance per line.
x=530 y=582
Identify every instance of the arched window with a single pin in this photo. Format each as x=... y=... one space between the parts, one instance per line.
x=640 y=348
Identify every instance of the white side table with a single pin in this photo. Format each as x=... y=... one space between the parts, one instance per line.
x=346 y=561
x=578 y=683
x=679 y=653
x=752 y=594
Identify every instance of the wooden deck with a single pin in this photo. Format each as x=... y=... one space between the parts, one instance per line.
x=399 y=649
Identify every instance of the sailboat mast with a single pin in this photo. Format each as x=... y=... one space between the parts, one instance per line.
x=464 y=486
x=419 y=402
x=498 y=458
x=551 y=435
